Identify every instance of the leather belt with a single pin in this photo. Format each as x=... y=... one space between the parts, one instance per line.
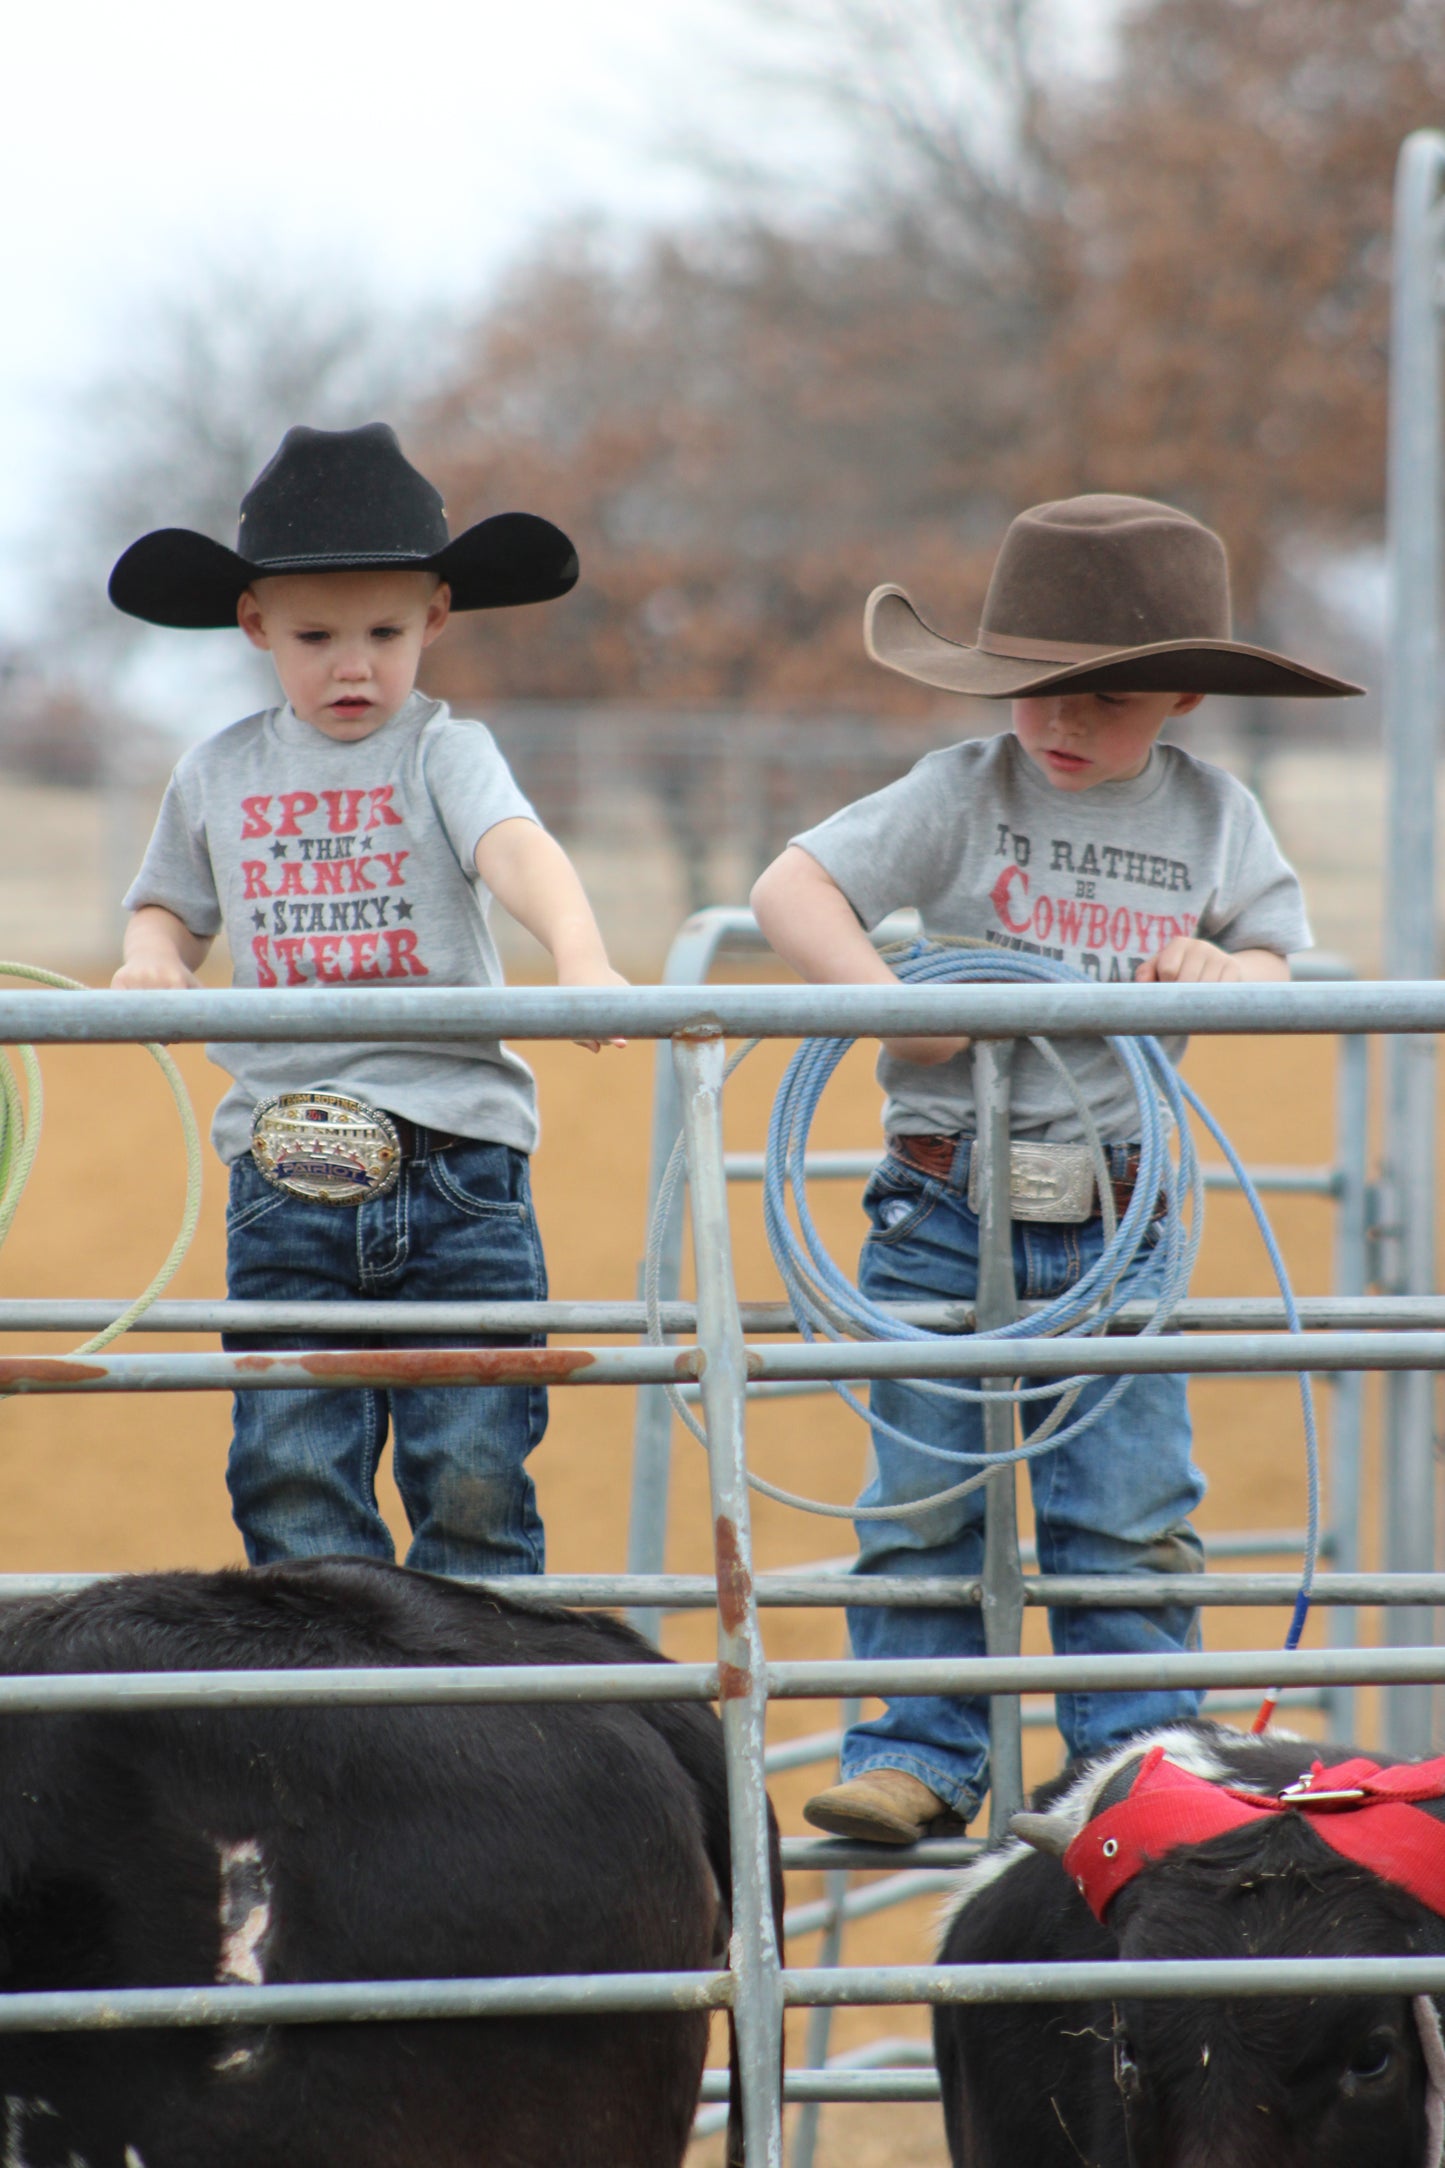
x=936 y=1156
x=411 y=1133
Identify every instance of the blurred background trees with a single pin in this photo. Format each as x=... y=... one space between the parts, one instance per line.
x=1168 y=276
x=987 y=258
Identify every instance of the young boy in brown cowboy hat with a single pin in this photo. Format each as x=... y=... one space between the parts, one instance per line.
x=354 y=836
x=1076 y=835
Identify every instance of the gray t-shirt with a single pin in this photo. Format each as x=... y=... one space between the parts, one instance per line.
x=347 y=865
x=985 y=848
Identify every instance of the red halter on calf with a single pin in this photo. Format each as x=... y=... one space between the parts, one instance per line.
x=1362 y=1811
x=1365 y=1813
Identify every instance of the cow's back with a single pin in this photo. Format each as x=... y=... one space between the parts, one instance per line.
x=179 y=1847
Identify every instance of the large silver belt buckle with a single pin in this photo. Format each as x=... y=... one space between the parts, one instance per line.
x=326 y=1147
x=1046 y=1182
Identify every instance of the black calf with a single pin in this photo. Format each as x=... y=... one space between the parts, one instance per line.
x=1324 y=2081
x=190 y=1846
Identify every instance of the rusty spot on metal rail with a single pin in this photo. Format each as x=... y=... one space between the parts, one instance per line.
x=733 y=1683
x=698 y=1033
x=18 y=1371
x=734 y=1582
x=437 y=1365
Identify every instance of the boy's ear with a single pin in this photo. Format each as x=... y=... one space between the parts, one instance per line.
x=438 y=610
x=250 y=620
x=1186 y=703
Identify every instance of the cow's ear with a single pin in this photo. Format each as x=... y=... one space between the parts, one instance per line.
x=1097 y=1789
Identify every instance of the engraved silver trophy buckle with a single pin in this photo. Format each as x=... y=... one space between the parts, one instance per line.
x=326 y=1147
x=1046 y=1182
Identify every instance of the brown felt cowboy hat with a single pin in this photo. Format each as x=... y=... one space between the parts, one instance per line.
x=341 y=500
x=1095 y=594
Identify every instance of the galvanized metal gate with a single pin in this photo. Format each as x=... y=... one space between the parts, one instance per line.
x=1347 y=1335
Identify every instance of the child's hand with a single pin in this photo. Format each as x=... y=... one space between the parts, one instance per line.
x=926 y=1052
x=154 y=970
x=1189 y=963
x=595 y=975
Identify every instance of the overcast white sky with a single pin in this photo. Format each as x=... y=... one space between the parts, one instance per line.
x=420 y=148
x=422 y=143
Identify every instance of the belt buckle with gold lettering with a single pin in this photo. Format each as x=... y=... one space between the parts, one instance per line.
x=326 y=1147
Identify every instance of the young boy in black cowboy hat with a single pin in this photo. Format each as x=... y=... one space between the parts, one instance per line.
x=354 y=836
x=1075 y=835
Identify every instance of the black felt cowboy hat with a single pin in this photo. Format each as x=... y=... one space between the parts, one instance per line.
x=341 y=500
x=1095 y=594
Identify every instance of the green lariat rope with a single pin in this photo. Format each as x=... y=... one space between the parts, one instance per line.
x=20 y=1119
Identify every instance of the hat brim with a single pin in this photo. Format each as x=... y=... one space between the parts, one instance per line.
x=180 y=578
x=896 y=636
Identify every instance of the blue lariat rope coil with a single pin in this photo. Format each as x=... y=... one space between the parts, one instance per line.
x=827 y=1304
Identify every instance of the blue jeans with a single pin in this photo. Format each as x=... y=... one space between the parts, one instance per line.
x=457 y=1227
x=1115 y=1502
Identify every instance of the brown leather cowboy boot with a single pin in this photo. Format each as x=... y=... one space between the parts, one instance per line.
x=883 y=1806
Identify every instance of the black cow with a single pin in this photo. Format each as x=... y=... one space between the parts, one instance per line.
x=1330 y=2081
x=196 y=1846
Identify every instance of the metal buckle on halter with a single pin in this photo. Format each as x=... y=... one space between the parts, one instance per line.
x=1046 y=1182
x=1302 y=1792
x=326 y=1147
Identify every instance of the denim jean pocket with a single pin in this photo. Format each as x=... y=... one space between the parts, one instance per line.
x=897 y=1202
x=251 y=1198
x=486 y=1181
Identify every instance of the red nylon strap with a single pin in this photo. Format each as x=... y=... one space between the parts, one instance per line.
x=1168 y=1807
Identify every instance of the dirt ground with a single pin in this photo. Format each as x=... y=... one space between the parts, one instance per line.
x=124 y=1482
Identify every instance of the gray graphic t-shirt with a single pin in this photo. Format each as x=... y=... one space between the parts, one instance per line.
x=347 y=865
x=982 y=845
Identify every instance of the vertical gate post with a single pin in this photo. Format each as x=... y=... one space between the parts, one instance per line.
x=755 y=1957
x=688 y=963
x=997 y=1304
x=1412 y=720
x=1346 y=1496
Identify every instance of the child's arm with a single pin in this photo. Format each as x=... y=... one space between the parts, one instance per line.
x=811 y=924
x=1200 y=963
x=531 y=876
x=159 y=950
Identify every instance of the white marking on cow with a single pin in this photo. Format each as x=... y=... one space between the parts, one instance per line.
x=132 y=2158
x=1188 y=1748
x=246 y=1913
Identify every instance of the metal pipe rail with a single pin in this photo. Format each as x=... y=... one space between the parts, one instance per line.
x=447 y=1015
x=824 y=1679
x=1217 y=1354
x=1415 y=528
x=1206 y=1313
x=815 y=1592
x=567 y=1994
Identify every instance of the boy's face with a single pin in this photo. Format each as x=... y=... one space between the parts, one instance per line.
x=1078 y=740
x=346 y=645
